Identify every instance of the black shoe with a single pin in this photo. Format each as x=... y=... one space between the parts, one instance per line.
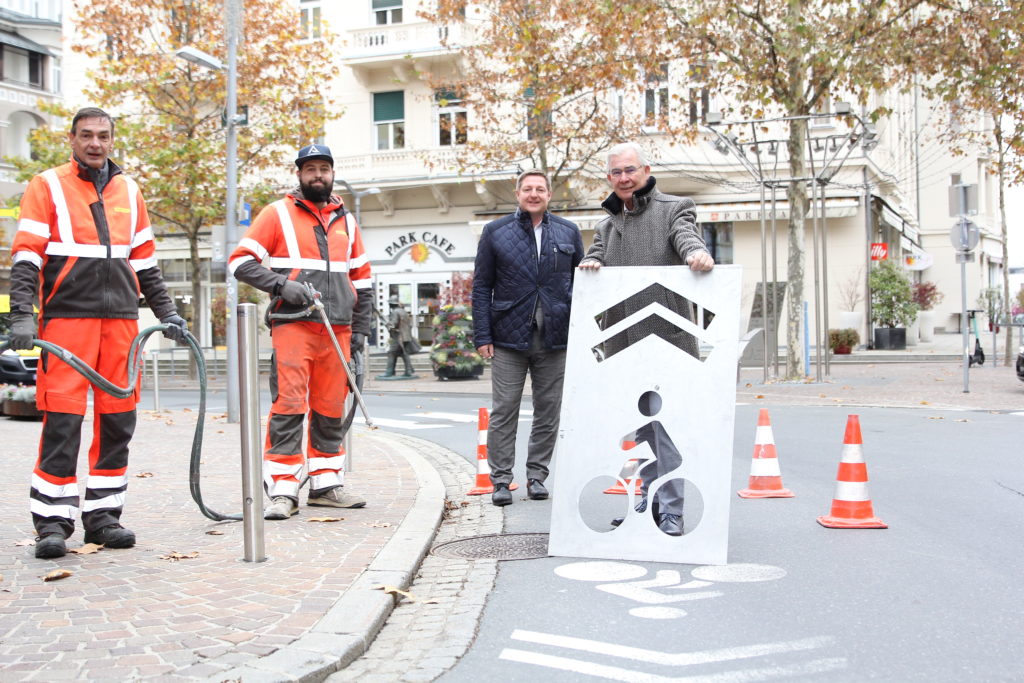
x=640 y=507
x=113 y=536
x=671 y=524
x=536 y=491
x=51 y=546
x=501 y=496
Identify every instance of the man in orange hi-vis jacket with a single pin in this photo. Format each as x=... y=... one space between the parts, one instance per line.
x=84 y=235
x=308 y=238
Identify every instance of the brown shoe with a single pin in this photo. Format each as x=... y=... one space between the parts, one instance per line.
x=336 y=498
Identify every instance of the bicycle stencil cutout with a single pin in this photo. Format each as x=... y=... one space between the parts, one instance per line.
x=634 y=372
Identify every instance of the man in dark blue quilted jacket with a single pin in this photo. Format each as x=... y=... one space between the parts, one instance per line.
x=522 y=287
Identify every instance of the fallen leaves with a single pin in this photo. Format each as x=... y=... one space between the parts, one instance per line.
x=25 y=541
x=57 y=575
x=380 y=525
x=936 y=417
x=962 y=419
x=758 y=395
x=326 y=519
x=175 y=556
x=925 y=403
x=399 y=593
x=214 y=532
x=144 y=475
x=86 y=549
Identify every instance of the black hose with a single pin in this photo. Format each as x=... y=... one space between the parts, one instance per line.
x=134 y=367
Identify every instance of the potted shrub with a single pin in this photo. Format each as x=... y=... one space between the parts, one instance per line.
x=20 y=401
x=927 y=296
x=453 y=355
x=842 y=341
x=990 y=300
x=892 y=305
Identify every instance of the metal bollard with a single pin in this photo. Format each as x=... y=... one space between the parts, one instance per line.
x=156 y=381
x=252 y=460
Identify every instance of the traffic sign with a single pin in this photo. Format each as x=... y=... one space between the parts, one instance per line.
x=964 y=235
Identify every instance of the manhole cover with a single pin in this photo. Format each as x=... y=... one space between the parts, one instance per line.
x=495 y=547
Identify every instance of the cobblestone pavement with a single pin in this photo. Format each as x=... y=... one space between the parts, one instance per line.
x=142 y=613
x=425 y=637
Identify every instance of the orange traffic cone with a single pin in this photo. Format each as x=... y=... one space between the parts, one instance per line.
x=483 y=469
x=851 y=505
x=630 y=472
x=765 y=476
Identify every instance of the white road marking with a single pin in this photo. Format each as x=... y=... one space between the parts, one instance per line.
x=406 y=424
x=615 y=673
x=657 y=612
x=454 y=417
x=1021 y=414
x=600 y=571
x=660 y=658
x=739 y=573
x=666 y=578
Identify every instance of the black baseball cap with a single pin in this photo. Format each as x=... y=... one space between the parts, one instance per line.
x=311 y=152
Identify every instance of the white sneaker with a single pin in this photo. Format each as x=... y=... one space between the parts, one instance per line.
x=336 y=498
x=281 y=507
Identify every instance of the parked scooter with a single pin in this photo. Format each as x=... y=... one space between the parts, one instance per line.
x=978 y=357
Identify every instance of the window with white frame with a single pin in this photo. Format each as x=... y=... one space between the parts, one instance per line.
x=309 y=18
x=452 y=119
x=387 y=12
x=656 y=96
x=389 y=119
x=699 y=102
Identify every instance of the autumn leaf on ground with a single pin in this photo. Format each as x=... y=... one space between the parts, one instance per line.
x=220 y=431
x=821 y=396
x=399 y=593
x=25 y=541
x=169 y=422
x=187 y=410
x=56 y=575
x=86 y=549
x=144 y=475
x=174 y=556
x=380 y=525
x=936 y=417
x=325 y=519
x=846 y=386
x=419 y=407
x=963 y=419
x=925 y=403
x=758 y=395
x=214 y=532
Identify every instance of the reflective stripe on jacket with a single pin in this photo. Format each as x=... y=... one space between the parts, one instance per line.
x=91 y=247
x=297 y=241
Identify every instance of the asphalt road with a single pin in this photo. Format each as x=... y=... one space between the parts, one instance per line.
x=936 y=596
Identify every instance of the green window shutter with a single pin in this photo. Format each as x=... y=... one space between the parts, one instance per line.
x=389 y=106
x=386 y=4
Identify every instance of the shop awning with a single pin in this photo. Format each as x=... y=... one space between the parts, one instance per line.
x=736 y=212
x=14 y=40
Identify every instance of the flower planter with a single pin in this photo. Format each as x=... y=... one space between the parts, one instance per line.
x=890 y=338
x=926 y=326
x=22 y=409
x=445 y=373
x=841 y=350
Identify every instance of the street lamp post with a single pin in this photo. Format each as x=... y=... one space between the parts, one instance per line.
x=232 y=10
x=358 y=195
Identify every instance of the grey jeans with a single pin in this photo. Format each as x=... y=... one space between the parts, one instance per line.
x=508 y=376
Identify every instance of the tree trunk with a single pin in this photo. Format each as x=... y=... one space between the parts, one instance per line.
x=797 y=195
x=1008 y=357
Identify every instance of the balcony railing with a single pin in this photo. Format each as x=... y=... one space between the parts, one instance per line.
x=397 y=163
x=398 y=40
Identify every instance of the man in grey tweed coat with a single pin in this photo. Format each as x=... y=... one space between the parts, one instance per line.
x=646 y=227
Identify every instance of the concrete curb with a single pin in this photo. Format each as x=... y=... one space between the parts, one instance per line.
x=351 y=624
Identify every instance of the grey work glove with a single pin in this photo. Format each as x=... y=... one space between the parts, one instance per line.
x=177 y=328
x=358 y=341
x=295 y=293
x=23 y=331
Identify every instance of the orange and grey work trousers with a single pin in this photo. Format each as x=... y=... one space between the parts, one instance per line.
x=61 y=394
x=306 y=374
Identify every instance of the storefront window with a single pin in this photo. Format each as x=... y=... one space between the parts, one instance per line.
x=718 y=238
